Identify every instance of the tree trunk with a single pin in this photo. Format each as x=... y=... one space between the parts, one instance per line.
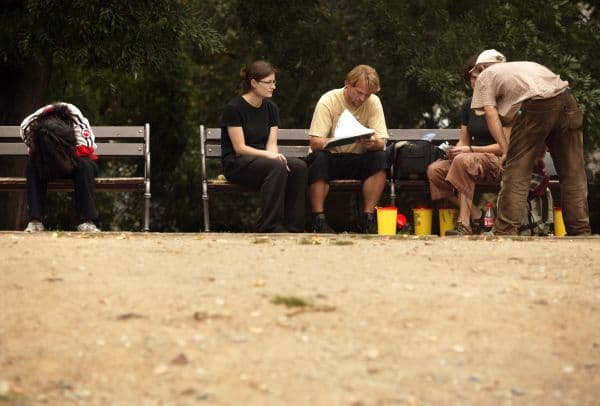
x=22 y=90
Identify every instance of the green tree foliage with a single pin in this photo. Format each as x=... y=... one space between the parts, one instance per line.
x=417 y=46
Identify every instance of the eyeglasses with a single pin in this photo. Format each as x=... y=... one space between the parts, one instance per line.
x=268 y=82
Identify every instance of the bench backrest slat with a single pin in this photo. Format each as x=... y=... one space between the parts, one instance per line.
x=284 y=134
x=450 y=134
x=293 y=142
x=112 y=141
x=118 y=133
x=104 y=149
x=119 y=149
x=9 y=131
x=104 y=132
x=13 y=148
x=290 y=151
x=298 y=134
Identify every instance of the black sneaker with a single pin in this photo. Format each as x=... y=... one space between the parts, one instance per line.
x=367 y=223
x=320 y=225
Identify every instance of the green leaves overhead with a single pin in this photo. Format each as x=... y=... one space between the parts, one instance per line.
x=100 y=34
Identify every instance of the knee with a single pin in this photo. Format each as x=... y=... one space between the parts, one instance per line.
x=462 y=161
x=277 y=170
x=319 y=158
x=298 y=167
x=297 y=164
x=436 y=170
x=318 y=169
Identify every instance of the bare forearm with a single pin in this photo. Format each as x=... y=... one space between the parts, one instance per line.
x=272 y=147
x=489 y=149
x=373 y=144
x=317 y=143
x=247 y=150
x=495 y=126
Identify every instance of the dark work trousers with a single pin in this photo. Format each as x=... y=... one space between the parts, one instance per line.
x=283 y=193
x=557 y=123
x=83 y=183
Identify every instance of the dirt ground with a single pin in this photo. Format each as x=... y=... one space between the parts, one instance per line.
x=243 y=319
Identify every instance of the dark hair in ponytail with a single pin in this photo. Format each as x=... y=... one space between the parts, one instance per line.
x=256 y=70
x=52 y=142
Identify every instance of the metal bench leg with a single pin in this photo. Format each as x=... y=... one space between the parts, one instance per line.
x=205 y=207
x=147 y=197
x=392 y=192
x=204 y=178
x=147 y=194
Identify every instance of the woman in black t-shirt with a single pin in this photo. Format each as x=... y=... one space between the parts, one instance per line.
x=475 y=160
x=250 y=155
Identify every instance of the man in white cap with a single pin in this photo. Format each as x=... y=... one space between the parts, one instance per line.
x=542 y=112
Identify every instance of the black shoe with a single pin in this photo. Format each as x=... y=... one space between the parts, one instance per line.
x=320 y=225
x=367 y=223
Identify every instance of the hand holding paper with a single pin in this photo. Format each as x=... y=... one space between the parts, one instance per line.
x=348 y=130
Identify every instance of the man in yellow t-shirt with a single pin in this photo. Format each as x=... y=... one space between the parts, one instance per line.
x=364 y=160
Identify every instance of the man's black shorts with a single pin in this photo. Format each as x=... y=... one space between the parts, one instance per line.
x=323 y=165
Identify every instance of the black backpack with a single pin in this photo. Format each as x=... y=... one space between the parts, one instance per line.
x=410 y=159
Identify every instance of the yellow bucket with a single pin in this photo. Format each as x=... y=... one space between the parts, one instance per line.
x=422 y=219
x=447 y=219
x=386 y=220
x=559 y=224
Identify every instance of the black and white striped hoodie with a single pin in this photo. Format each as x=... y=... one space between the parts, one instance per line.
x=86 y=144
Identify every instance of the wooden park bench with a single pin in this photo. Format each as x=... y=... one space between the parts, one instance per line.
x=113 y=142
x=293 y=143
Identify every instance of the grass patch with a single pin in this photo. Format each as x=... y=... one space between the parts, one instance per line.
x=310 y=241
x=261 y=240
x=290 y=301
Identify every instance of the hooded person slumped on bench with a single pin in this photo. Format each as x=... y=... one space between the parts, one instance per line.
x=61 y=145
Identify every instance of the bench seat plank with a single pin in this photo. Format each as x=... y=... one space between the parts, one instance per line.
x=102 y=184
x=349 y=184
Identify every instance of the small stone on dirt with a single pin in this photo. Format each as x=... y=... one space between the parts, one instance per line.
x=181 y=359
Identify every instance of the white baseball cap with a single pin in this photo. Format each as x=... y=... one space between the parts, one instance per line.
x=489 y=56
